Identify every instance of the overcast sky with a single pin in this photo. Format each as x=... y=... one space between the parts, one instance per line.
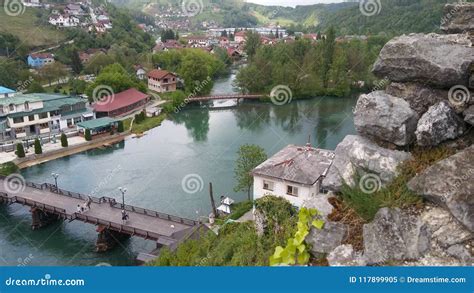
x=292 y=2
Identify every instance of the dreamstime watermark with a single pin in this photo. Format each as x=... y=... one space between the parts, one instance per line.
x=23 y=262
x=370 y=183
x=370 y=7
x=14 y=7
x=364 y=100
x=448 y=16
x=22 y=86
x=192 y=7
x=47 y=280
x=192 y=183
x=196 y=90
x=459 y=95
x=14 y=183
x=103 y=95
x=105 y=181
x=281 y=95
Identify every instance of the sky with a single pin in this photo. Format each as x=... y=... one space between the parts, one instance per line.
x=292 y=3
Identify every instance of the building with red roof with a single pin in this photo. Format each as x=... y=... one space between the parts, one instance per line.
x=122 y=103
x=162 y=81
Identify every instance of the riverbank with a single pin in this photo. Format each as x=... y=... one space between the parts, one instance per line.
x=63 y=152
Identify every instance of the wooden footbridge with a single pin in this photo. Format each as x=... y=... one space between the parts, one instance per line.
x=49 y=204
x=226 y=97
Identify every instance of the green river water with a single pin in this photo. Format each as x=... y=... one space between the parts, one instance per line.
x=197 y=141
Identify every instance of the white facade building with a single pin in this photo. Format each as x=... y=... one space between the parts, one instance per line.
x=294 y=173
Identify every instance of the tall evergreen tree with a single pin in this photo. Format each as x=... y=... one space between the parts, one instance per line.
x=76 y=63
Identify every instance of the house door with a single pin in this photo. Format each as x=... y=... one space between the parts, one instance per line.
x=32 y=129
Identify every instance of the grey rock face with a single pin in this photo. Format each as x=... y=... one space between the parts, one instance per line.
x=469 y=115
x=462 y=253
x=358 y=155
x=450 y=183
x=439 y=60
x=382 y=116
x=445 y=230
x=344 y=255
x=420 y=97
x=458 y=18
x=326 y=239
x=394 y=235
x=471 y=81
x=438 y=124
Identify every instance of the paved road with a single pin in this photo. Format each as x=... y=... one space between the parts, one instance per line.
x=102 y=211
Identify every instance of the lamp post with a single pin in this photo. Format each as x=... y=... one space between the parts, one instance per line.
x=123 y=190
x=55 y=176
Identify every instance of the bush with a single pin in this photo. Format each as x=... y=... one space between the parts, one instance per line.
x=120 y=126
x=8 y=168
x=64 y=142
x=38 y=148
x=87 y=135
x=20 y=150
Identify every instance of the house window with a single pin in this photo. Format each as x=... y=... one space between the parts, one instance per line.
x=18 y=120
x=11 y=107
x=267 y=185
x=31 y=118
x=292 y=190
x=43 y=115
x=27 y=106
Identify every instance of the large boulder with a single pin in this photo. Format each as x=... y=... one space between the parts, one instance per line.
x=419 y=96
x=344 y=255
x=469 y=115
x=326 y=239
x=438 y=124
x=458 y=18
x=440 y=60
x=381 y=116
x=357 y=155
x=450 y=183
x=394 y=235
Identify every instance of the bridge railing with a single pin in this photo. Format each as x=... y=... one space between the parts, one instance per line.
x=112 y=202
x=118 y=227
x=33 y=203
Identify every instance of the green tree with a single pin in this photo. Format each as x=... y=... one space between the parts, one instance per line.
x=20 y=150
x=38 y=148
x=76 y=63
x=249 y=157
x=35 y=87
x=64 y=142
x=87 y=135
x=120 y=128
x=328 y=53
x=252 y=43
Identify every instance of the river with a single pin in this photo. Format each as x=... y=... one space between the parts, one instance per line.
x=198 y=144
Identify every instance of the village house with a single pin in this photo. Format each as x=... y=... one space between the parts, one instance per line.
x=198 y=42
x=30 y=115
x=121 y=103
x=74 y=9
x=162 y=81
x=294 y=173
x=38 y=60
x=140 y=72
x=240 y=37
x=64 y=20
x=166 y=46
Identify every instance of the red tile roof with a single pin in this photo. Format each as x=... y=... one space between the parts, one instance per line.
x=120 y=100
x=158 y=73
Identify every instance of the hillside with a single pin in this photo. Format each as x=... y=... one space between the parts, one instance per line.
x=29 y=29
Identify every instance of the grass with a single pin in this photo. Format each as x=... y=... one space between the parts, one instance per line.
x=147 y=124
x=396 y=193
x=25 y=27
x=237 y=244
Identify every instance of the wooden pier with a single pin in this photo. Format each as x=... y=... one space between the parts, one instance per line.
x=49 y=204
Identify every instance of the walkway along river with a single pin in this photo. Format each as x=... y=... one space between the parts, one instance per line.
x=167 y=170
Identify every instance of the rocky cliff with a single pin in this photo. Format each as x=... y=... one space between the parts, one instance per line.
x=429 y=103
